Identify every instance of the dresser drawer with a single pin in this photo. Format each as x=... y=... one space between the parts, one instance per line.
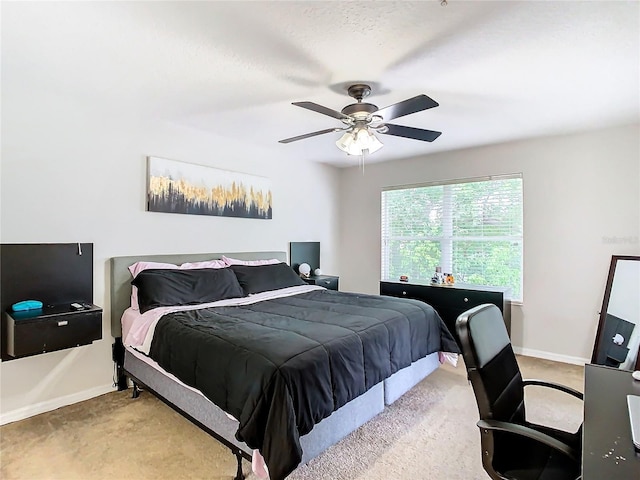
x=330 y=282
x=462 y=298
x=50 y=333
x=406 y=290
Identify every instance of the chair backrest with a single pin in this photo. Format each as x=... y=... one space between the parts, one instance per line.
x=491 y=364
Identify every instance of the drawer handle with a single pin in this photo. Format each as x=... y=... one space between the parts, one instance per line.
x=62 y=323
x=327 y=282
x=404 y=293
x=466 y=299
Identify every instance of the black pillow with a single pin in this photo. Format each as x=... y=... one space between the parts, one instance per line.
x=163 y=288
x=260 y=278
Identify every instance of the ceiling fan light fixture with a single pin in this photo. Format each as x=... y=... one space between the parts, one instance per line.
x=368 y=141
x=346 y=143
x=375 y=144
x=356 y=141
x=362 y=121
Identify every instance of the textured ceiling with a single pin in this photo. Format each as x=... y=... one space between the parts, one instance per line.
x=499 y=70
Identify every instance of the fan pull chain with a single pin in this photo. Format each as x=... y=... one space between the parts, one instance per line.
x=364 y=152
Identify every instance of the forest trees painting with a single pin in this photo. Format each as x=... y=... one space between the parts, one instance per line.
x=177 y=187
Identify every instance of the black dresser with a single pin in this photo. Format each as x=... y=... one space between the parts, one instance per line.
x=452 y=300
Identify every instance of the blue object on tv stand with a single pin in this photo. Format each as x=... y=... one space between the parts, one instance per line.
x=26 y=305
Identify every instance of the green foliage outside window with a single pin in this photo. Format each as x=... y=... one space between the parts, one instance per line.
x=471 y=229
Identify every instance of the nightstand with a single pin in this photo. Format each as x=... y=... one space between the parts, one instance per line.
x=329 y=282
x=51 y=328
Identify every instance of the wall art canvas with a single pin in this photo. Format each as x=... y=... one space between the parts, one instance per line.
x=178 y=187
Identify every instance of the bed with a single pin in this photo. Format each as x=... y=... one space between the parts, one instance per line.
x=365 y=351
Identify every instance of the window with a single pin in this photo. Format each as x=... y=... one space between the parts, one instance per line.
x=471 y=228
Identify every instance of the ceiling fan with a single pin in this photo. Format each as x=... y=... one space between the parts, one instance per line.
x=362 y=120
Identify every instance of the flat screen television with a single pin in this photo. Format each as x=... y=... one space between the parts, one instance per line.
x=304 y=252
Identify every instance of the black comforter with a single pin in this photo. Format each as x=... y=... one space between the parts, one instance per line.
x=282 y=365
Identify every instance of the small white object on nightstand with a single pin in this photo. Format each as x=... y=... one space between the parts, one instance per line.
x=636 y=375
x=304 y=270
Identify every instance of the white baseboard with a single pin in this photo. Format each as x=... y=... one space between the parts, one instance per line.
x=528 y=352
x=42 y=407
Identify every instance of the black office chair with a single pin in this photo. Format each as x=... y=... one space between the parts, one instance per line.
x=512 y=448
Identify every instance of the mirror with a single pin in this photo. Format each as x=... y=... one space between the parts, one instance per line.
x=618 y=337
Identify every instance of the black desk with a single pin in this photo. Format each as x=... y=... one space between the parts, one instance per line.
x=607 y=451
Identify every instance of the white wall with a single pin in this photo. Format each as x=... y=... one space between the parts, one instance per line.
x=73 y=173
x=581 y=205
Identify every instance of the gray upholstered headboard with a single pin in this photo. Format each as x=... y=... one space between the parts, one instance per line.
x=120 y=284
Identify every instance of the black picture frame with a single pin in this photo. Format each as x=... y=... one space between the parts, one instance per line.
x=605 y=330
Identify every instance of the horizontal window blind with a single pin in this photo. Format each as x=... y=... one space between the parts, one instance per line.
x=471 y=228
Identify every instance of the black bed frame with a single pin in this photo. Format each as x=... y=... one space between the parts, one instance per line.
x=122 y=376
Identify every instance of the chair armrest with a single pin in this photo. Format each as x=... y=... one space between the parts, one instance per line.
x=523 y=431
x=557 y=386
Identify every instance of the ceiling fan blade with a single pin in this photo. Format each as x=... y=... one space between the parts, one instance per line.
x=312 y=134
x=320 y=109
x=406 y=107
x=410 y=132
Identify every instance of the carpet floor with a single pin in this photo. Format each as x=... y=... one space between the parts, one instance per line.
x=429 y=433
